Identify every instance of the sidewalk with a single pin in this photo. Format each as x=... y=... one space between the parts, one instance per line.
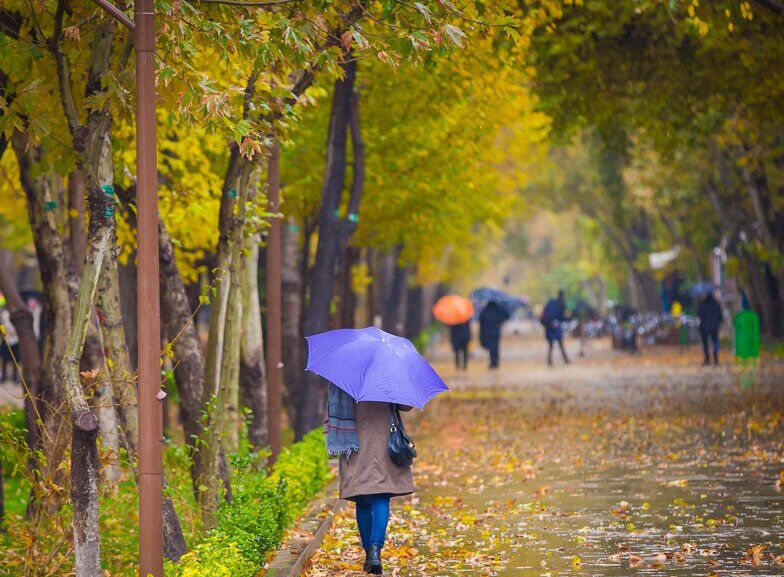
x=613 y=466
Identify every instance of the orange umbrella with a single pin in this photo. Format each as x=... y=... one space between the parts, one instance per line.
x=453 y=310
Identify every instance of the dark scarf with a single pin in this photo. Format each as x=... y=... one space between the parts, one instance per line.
x=341 y=424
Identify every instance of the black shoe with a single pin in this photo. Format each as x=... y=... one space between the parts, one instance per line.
x=374 y=560
x=706 y=363
x=366 y=566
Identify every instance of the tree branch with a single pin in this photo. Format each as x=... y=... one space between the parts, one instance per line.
x=64 y=76
x=239 y=3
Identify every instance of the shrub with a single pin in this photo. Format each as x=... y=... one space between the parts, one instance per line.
x=262 y=508
x=255 y=519
x=214 y=557
x=303 y=468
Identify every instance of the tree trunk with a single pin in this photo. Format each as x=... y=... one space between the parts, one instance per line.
x=394 y=307
x=252 y=369
x=349 y=255
x=84 y=451
x=76 y=219
x=312 y=398
x=291 y=311
x=273 y=297
x=232 y=328
x=219 y=400
x=126 y=274
x=179 y=328
x=347 y=299
x=414 y=325
x=253 y=378
x=123 y=389
x=371 y=257
x=212 y=363
x=53 y=259
x=29 y=354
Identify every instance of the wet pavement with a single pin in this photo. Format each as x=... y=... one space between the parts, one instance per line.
x=615 y=465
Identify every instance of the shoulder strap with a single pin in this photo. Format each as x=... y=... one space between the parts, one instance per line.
x=393 y=416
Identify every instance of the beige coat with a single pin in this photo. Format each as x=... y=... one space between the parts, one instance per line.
x=371 y=471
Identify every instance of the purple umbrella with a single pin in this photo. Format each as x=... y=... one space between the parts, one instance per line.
x=371 y=365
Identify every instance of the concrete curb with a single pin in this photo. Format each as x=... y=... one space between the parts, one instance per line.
x=308 y=536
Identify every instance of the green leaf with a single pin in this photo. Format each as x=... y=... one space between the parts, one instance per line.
x=455 y=34
x=423 y=9
x=359 y=39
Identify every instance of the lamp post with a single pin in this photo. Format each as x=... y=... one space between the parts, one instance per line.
x=149 y=308
x=274 y=333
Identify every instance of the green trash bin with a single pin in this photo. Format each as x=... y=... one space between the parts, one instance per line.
x=683 y=334
x=747 y=335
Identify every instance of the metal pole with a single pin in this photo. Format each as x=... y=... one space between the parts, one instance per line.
x=274 y=337
x=150 y=434
x=116 y=13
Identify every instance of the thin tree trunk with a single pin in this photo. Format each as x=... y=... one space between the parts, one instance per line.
x=372 y=290
x=347 y=296
x=84 y=451
x=218 y=400
x=212 y=363
x=29 y=353
x=76 y=219
x=253 y=377
x=126 y=274
x=53 y=259
x=179 y=327
x=232 y=332
x=312 y=398
x=349 y=255
x=121 y=372
x=93 y=147
x=291 y=310
x=413 y=323
x=395 y=303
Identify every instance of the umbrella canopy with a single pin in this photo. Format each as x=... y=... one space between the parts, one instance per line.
x=700 y=289
x=484 y=295
x=372 y=365
x=453 y=310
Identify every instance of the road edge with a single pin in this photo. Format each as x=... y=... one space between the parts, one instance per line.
x=295 y=552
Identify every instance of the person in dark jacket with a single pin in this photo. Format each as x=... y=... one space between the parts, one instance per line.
x=710 y=315
x=460 y=336
x=553 y=318
x=491 y=319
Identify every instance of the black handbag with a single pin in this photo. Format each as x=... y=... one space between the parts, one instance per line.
x=401 y=448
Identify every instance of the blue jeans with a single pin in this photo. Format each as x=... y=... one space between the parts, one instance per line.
x=372 y=519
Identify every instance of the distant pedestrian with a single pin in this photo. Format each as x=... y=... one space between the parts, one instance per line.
x=359 y=434
x=553 y=318
x=710 y=315
x=460 y=337
x=491 y=319
x=9 y=348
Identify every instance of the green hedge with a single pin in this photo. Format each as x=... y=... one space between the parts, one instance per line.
x=261 y=509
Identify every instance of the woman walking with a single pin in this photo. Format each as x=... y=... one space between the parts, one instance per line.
x=358 y=433
x=460 y=337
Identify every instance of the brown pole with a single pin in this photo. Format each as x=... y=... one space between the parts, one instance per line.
x=116 y=12
x=274 y=337
x=149 y=308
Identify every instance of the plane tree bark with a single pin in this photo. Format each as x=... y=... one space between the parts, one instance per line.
x=312 y=396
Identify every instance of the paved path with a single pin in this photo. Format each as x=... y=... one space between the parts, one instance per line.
x=616 y=465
